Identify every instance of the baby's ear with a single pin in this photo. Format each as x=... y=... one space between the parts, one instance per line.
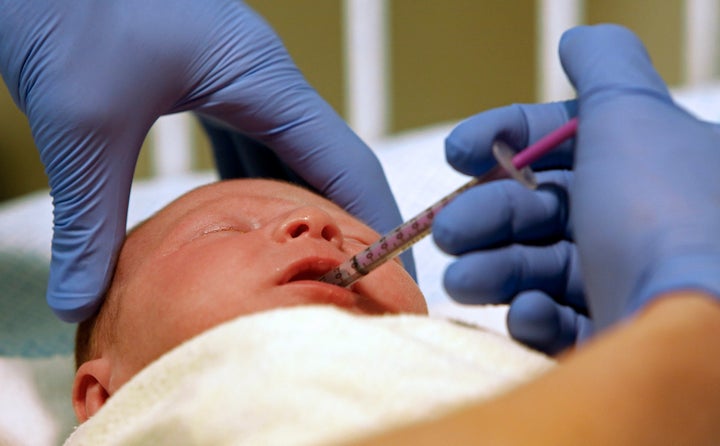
x=90 y=389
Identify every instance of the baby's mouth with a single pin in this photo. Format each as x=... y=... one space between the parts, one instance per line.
x=310 y=274
x=309 y=270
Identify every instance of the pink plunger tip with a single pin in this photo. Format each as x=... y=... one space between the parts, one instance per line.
x=535 y=151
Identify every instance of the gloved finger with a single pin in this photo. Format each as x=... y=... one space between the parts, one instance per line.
x=497 y=276
x=90 y=186
x=468 y=148
x=271 y=102
x=597 y=60
x=505 y=212
x=539 y=322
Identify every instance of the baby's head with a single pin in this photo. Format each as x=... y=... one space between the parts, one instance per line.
x=224 y=250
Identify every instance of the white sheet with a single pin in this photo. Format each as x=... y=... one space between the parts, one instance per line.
x=307 y=376
x=35 y=407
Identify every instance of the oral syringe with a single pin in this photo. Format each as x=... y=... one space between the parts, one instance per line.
x=510 y=165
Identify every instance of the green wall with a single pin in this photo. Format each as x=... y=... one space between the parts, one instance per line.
x=20 y=167
x=658 y=23
x=449 y=59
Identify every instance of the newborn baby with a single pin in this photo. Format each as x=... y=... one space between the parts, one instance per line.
x=224 y=250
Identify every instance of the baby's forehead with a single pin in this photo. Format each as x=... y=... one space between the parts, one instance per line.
x=235 y=191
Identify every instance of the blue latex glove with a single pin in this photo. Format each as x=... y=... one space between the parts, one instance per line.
x=644 y=197
x=92 y=76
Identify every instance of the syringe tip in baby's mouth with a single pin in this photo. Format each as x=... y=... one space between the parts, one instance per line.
x=388 y=247
x=342 y=275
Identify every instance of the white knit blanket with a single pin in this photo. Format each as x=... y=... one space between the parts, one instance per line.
x=307 y=375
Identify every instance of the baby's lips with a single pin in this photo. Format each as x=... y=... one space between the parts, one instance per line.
x=309 y=268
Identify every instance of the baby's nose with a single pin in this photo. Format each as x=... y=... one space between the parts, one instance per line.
x=308 y=221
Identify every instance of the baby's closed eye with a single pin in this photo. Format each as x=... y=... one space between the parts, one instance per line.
x=216 y=228
x=187 y=234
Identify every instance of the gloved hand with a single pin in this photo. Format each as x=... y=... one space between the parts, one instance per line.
x=515 y=245
x=643 y=194
x=92 y=77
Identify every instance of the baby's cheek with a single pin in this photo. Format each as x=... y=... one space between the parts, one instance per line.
x=402 y=290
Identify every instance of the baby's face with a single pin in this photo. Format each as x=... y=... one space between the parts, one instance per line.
x=235 y=248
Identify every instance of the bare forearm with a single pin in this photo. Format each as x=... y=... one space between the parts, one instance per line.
x=655 y=380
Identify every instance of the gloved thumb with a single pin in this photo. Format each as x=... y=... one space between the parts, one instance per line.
x=608 y=58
